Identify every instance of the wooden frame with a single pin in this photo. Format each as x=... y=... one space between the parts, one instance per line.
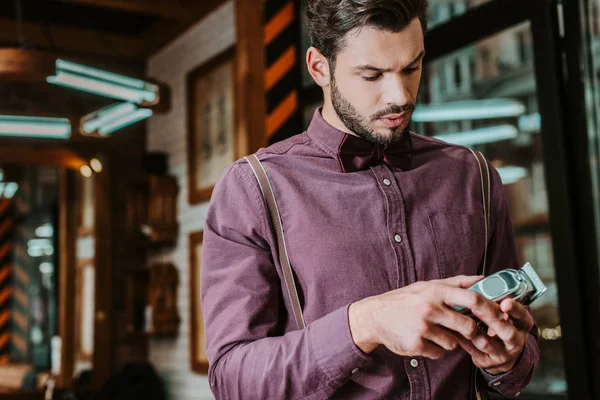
x=81 y=353
x=211 y=87
x=199 y=362
x=86 y=205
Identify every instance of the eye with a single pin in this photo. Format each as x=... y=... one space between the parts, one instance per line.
x=371 y=78
x=409 y=71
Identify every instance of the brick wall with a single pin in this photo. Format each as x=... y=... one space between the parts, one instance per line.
x=167 y=132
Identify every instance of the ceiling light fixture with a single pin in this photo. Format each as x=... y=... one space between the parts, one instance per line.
x=112 y=118
x=104 y=83
x=468 y=110
x=37 y=127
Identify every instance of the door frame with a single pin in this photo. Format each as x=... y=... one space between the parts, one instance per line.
x=568 y=187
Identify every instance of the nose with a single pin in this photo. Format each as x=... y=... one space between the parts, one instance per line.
x=396 y=91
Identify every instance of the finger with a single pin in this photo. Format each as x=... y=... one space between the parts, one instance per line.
x=453 y=296
x=462 y=281
x=492 y=347
x=518 y=313
x=481 y=360
x=456 y=322
x=491 y=332
x=431 y=350
x=505 y=330
x=442 y=337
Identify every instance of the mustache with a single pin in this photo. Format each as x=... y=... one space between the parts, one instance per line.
x=393 y=109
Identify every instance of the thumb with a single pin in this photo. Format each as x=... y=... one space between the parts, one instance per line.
x=462 y=281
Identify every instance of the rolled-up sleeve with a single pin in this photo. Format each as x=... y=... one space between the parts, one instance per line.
x=242 y=305
x=502 y=254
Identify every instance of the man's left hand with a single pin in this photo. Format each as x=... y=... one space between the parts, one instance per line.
x=498 y=350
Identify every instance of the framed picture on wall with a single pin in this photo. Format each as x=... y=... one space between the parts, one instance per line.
x=199 y=361
x=86 y=214
x=211 y=138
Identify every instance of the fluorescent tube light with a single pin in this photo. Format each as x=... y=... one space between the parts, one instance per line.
x=10 y=189
x=92 y=122
x=468 y=110
x=511 y=174
x=530 y=122
x=39 y=127
x=124 y=121
x=481 y=136
x=104 y=83
x=113 y=118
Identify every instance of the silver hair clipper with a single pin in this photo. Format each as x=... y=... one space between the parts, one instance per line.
x=523 y=285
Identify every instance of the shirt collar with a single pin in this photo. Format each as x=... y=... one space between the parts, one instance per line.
x=354 y=153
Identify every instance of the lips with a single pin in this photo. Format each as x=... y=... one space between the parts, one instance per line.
x=394 y=120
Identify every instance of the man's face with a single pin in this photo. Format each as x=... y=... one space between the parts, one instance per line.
x=376 y=81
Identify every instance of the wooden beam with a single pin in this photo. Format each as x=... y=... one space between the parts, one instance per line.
x=67 y=249
x=250 y=72
x=55 y=156
x=179 y=10
x=164 y=32
x=105 y=201
x=80 y=41
x=71 y=40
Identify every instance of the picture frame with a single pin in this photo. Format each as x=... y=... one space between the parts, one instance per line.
x=212 y=141
x=198 y=358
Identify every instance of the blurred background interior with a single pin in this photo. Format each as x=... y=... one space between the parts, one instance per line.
x=118 y=116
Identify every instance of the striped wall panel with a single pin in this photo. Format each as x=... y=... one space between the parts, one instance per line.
x=6 y=279
x=21 y=277
x=283 y=80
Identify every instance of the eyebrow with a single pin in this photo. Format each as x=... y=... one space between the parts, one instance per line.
x=363 y=68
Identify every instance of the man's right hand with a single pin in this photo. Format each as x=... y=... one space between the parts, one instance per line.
x=417 y=320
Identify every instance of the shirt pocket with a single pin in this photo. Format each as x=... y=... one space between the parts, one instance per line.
x=459 y=242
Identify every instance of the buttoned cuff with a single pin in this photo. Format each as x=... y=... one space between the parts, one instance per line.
x=332 y=346
x=514 y=381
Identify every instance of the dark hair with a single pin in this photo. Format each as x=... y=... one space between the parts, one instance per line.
x=330 y=20
x=135 y=381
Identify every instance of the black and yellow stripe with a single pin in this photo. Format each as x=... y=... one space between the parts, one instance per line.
x=283 y=81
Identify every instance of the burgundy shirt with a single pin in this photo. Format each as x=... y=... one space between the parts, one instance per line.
x=351 y=233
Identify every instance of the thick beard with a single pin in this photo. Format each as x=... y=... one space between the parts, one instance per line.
x=359 y=125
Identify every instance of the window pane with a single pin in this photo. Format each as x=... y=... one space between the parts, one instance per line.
x=484 y=97
x=441 y=11
x=593 y=98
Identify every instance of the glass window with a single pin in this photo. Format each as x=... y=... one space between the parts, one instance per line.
x=442 y=11
x=593 y=97
x=494 y=109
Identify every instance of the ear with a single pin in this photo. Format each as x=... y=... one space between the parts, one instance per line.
x=318 y=66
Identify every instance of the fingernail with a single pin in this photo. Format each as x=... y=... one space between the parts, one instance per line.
x=477 y=312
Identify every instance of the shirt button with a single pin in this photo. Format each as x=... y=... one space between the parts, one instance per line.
x=355 y=370
x=387 y=182
x=414 y=363
x=398 y=238
x=498 y=383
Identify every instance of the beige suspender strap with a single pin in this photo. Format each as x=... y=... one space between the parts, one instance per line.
x=484 y=173
x=275 y=218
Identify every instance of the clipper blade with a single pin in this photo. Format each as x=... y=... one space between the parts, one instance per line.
x=535 y=280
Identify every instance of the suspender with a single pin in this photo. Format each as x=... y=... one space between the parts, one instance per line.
x=275 y=218
x=276 y=224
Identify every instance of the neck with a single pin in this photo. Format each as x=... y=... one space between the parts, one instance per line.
x=331 y=117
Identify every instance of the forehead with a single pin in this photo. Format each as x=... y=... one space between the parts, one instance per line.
x=369 y=45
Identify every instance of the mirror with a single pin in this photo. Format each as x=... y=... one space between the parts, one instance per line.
x=47 y=276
